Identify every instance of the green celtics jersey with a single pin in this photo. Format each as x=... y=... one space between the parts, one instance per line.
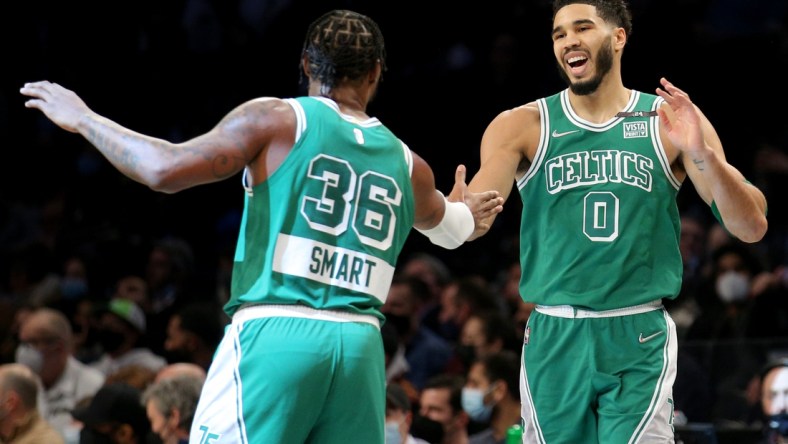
x=326 y=228
x=600 y=225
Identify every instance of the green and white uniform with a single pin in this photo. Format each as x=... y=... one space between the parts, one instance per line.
x=599 y=250
x=303 y=359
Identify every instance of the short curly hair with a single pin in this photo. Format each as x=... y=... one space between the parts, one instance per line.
x=343 y=45
x=611 y=11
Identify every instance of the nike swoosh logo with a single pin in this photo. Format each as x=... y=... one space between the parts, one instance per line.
x=643 y=339
x=555 y=134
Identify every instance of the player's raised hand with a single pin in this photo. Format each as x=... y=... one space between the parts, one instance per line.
x=483 y=205
x=62 y=106
x=684 y=126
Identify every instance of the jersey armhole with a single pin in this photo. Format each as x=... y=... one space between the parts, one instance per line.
x=541 y=149
x=659 y=148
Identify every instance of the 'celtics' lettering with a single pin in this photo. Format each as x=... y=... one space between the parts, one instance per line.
x=589 y=168
x=341 y=266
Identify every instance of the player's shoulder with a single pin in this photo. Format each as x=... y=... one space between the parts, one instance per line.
x=267 y=111
x=270 y=104
x=522 y=117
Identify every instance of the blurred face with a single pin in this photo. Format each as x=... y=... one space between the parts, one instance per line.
x=436 y=405
x=731 y=262
x=398 y=301
x=774 y=399
x=34 y=333
x=159 y=268
x=583 y=47
x=134 y=289
x=396 y=419
x=161 y=424
x=477 y=379
x=473 y=335
x=177 y=338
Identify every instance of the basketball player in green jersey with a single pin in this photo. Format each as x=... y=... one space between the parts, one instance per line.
x=331 y=195
x=598 y=167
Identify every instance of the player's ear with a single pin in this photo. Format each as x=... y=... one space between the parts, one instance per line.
x=305 y=65
x=619 y=38
x=375 y=73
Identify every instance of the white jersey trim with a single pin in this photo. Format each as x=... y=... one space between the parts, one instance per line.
x=300 y=311
x=408 y=158
x=591 y=126
x=370 y=122
x=659 y=148
x=541 y=149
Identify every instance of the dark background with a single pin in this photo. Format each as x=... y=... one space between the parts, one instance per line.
x=172 y=69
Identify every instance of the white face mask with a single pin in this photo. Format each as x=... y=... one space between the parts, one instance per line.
x=733 y=286
x=393 y=435
x=29 y=356
x=473 y=404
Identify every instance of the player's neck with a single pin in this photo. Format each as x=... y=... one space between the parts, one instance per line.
x=351 y=100
x=603 y=104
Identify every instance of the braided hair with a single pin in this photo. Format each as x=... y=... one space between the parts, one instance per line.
x=343 y=45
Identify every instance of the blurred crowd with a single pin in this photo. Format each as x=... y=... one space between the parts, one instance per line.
x=105 y=285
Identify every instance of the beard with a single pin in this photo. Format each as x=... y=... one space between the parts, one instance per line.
x=604 y=63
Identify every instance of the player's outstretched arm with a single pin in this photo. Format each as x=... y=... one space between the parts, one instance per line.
x=449 y=224
x=157 y=163
x=741 y=206
x=484 y=205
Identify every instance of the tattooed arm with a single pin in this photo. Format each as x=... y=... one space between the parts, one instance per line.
x=741 y=206
x=237 y=140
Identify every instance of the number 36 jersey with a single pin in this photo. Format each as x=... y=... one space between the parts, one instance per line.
x=326 y=228
x=600 y=224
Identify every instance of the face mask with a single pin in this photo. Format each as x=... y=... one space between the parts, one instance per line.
x=89 y=436
x=778 y=423
x=473 y=404
x=29 y=356
x=426 y=429
x=393 y=436
x=400 y=323
x=733 y=286
x=111 y=340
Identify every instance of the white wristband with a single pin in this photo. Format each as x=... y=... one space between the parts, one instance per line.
x=454 y=229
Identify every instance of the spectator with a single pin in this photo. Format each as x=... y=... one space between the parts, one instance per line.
x=121 y=327
x=134 y=375
x=193 y=333
x=46 y=347
x=488 y=333
x=114 y=415
x=492 y=396
x=427 y=353
x=170 y=404
x=169 y=269
x=181 y=369
x=399 y=417
x=431 y=270
x=774 y=402
x=441 y=401
x=458 y=300
x=20 y=422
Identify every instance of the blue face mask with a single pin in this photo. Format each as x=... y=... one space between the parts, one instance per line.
x=473 y=404
x=392 y=433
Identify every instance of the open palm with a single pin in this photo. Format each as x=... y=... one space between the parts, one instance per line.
x=684 y=131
